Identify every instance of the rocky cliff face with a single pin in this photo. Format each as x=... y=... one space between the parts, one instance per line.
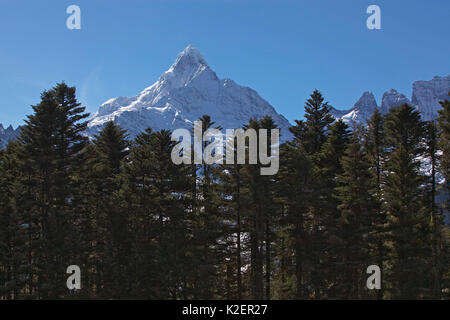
x=427 y=94
x=392 y=99
x=182 y=94
x=425 y=97
x=7 y=135
x=362 y=110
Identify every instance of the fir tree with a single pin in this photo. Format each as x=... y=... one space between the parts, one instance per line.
x=311 y=135
x=137 y=198
x=52 y=139
x=436 y=220
x=357 y=218
x=232 y=191
x=14 y=263
x=313 y=131
x=407 y=222
x=326 y=238
x=444 y=141
x=375 y=145
x=110 y=149
x=208 y=224
x=295 y=190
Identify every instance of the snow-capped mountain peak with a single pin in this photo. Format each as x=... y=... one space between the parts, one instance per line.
x=360 y=112
x=189 y=65
x=191 y=58
x=188 y=90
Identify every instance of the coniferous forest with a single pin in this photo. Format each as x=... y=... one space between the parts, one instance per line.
x=141 y=227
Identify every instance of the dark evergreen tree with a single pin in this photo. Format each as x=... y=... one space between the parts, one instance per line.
x=311 y=135
x=233 y=197
x=327 y=239
x=436 y=219
x=156 y=197
x=208 y=225
x=110 y=222
x=14 y=261
x=404 y=196
x=312 y=132
x=444 y=169
x=295 y=236
x=137 y=199
x=375 y=145
x=358 y=216
x=444 y=141
x=52 y=139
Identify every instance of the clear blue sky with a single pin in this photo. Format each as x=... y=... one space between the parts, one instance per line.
x=282 y=49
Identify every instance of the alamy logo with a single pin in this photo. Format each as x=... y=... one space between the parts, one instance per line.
x=374 y=21
x=74 y=280
x=74 y=20
x=374 y=280
x=219 y=146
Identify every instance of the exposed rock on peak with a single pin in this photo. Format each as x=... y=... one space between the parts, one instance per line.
x=392 y=99
x=361 y=111
x=427 y=94
x=425 y=97
x=7 y=135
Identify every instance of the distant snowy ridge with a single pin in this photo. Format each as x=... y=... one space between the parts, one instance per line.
x=8 y=134
x=426 y=96
x=188 y=90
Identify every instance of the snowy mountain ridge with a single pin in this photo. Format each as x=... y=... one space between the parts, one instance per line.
x=188 y=90
x=425 y=98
